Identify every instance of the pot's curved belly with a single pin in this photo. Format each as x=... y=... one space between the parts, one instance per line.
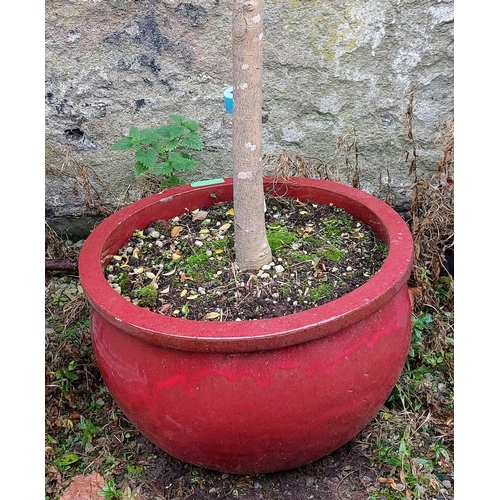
x=257 y=412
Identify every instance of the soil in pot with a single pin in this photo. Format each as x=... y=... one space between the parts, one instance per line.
x=184 y=267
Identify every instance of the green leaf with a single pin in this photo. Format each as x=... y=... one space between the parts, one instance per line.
x=175 y=181
x=134 y=133
x=185 y=122
x=191 y=124
x=66 y=459
x=392 y=461
x=177 y=118
x=192 y=141
x=140 y=168
x=162 y=131
x=169 y=144
x=150 y=136
x=182 y=161
x=70 y=375
x=174 y=131
x=122 y=144
x=163 y=168
x=147 y=158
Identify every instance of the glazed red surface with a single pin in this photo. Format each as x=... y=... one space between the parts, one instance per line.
x=252 y=396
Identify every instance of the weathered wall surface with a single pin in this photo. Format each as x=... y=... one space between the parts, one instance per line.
x=336 y=72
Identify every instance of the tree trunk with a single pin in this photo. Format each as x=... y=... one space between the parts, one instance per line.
x=251 y=245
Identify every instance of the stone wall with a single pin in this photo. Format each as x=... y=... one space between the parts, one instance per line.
x=344 y=84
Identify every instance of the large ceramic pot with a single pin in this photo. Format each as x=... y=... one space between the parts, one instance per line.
x=252 y=396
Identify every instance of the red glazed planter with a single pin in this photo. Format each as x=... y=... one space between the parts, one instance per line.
x=259 y=396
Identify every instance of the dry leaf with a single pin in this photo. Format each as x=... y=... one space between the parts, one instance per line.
x=200 y=215
x=390 y=481
x=134 y=494
x=164 y=308
x=211 y=315
x=446 y=418
x=445 y=423
x=85 y=488
x=183 y=278
x=320 y=266
x=176 y=256
x=224 y=227
x=414 y=293
x=175 y=231
x=229 y=212
x=184 y=293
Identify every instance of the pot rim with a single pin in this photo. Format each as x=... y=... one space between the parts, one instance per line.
x=250 y=335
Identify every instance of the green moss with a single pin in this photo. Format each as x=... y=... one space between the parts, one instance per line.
x=134 y=470
x=196 y=265
x=338 y=223
x=279 y=237
x=124 y=282
x=332 y=253
x=301 y=256
x=321 y=291
x=147 y=296
x=195 y=260
x=225 y=243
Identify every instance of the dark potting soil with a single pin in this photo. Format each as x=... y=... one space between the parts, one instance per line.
x=184 y=267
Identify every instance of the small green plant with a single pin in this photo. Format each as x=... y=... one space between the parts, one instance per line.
x=96 y=405
x=110 y=491
x=65 y=375
x=439 y=451
x=419 y=324
x=88 y=430
x=164 y=150
x=134 y=470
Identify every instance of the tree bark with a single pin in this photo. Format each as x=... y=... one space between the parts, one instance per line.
x=251 y=245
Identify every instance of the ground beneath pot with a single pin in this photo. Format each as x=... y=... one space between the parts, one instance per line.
x=185 y=267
